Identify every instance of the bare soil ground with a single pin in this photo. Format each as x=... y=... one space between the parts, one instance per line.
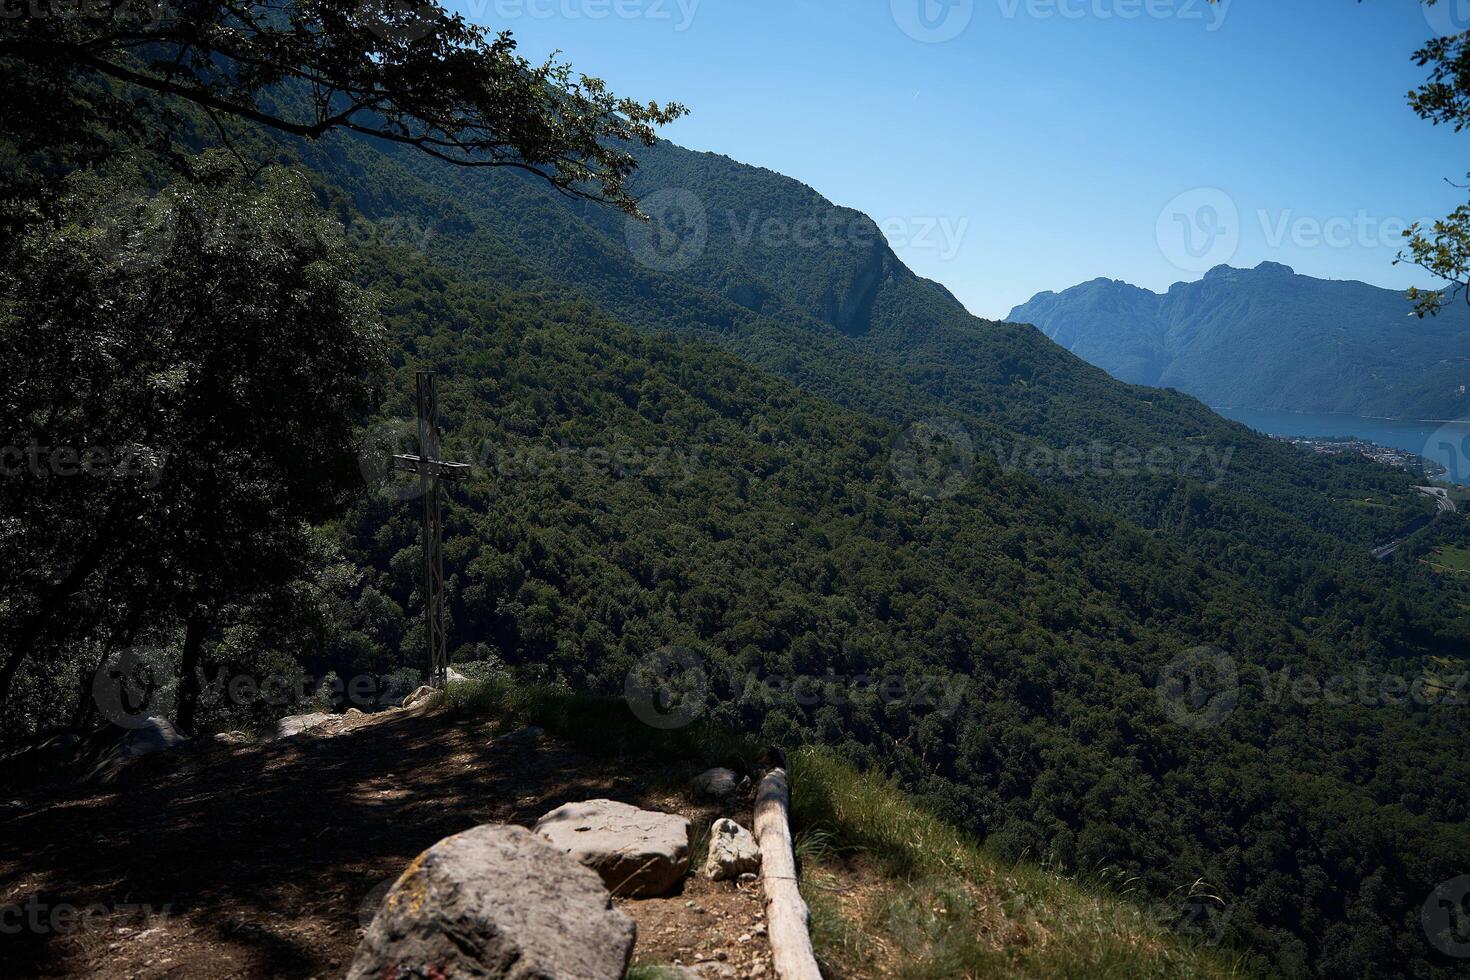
x=265 y=860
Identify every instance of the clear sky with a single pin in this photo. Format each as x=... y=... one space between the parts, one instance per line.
x=1012 y=146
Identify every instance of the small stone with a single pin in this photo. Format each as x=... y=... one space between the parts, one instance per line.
x=732 y=851
x=293 y=725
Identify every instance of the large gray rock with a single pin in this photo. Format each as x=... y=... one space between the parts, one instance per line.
x=496 y=901
x=420 y=694
x=719 y=785
x=298 y=724
x=732 y=851
x=154 y=735
x=637 y=852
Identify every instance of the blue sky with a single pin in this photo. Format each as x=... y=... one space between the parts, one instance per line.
x=1048 y=142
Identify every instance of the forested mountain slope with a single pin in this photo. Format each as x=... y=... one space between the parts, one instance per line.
x=637 y=490
x=1293 y=525
x=1267 y=338
x=635 y=493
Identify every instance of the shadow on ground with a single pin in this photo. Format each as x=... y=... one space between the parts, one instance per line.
x=248 y=861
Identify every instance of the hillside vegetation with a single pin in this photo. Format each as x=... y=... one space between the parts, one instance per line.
x=918 y=358
x=638 y=494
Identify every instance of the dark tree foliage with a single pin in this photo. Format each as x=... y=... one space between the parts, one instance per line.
x=183 y=378
x=131 y=83
x=1444 y=100
x=82 y=78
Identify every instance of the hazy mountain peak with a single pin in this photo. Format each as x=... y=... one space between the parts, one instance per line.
x=1276 y=267
x=1267 y=338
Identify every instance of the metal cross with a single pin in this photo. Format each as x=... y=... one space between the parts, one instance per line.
x=431 y=469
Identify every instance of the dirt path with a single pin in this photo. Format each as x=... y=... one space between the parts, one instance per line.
x=264 y=860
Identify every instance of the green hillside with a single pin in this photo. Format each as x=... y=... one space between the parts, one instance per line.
x=639 y=492
x=916 y=356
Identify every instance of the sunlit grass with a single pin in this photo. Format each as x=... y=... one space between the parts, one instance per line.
x=951 y=909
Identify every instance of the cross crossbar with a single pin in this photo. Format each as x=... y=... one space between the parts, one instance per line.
x=408 y=463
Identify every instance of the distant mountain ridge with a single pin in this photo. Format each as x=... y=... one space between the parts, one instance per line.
x=1268 y=339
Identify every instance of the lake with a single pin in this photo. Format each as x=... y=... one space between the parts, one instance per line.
x=1447 y=443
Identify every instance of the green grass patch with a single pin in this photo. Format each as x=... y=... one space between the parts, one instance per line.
x=652 y=971
x=1450 y=557
x=952 y=909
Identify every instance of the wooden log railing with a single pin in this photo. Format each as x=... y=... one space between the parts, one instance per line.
x=787 y=917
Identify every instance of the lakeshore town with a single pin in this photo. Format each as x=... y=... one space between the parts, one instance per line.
x=1336 y=445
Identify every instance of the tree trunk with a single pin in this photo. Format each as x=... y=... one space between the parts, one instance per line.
x=194 y=633
x=52 y=601
x=787 y=917
x=86 y=702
